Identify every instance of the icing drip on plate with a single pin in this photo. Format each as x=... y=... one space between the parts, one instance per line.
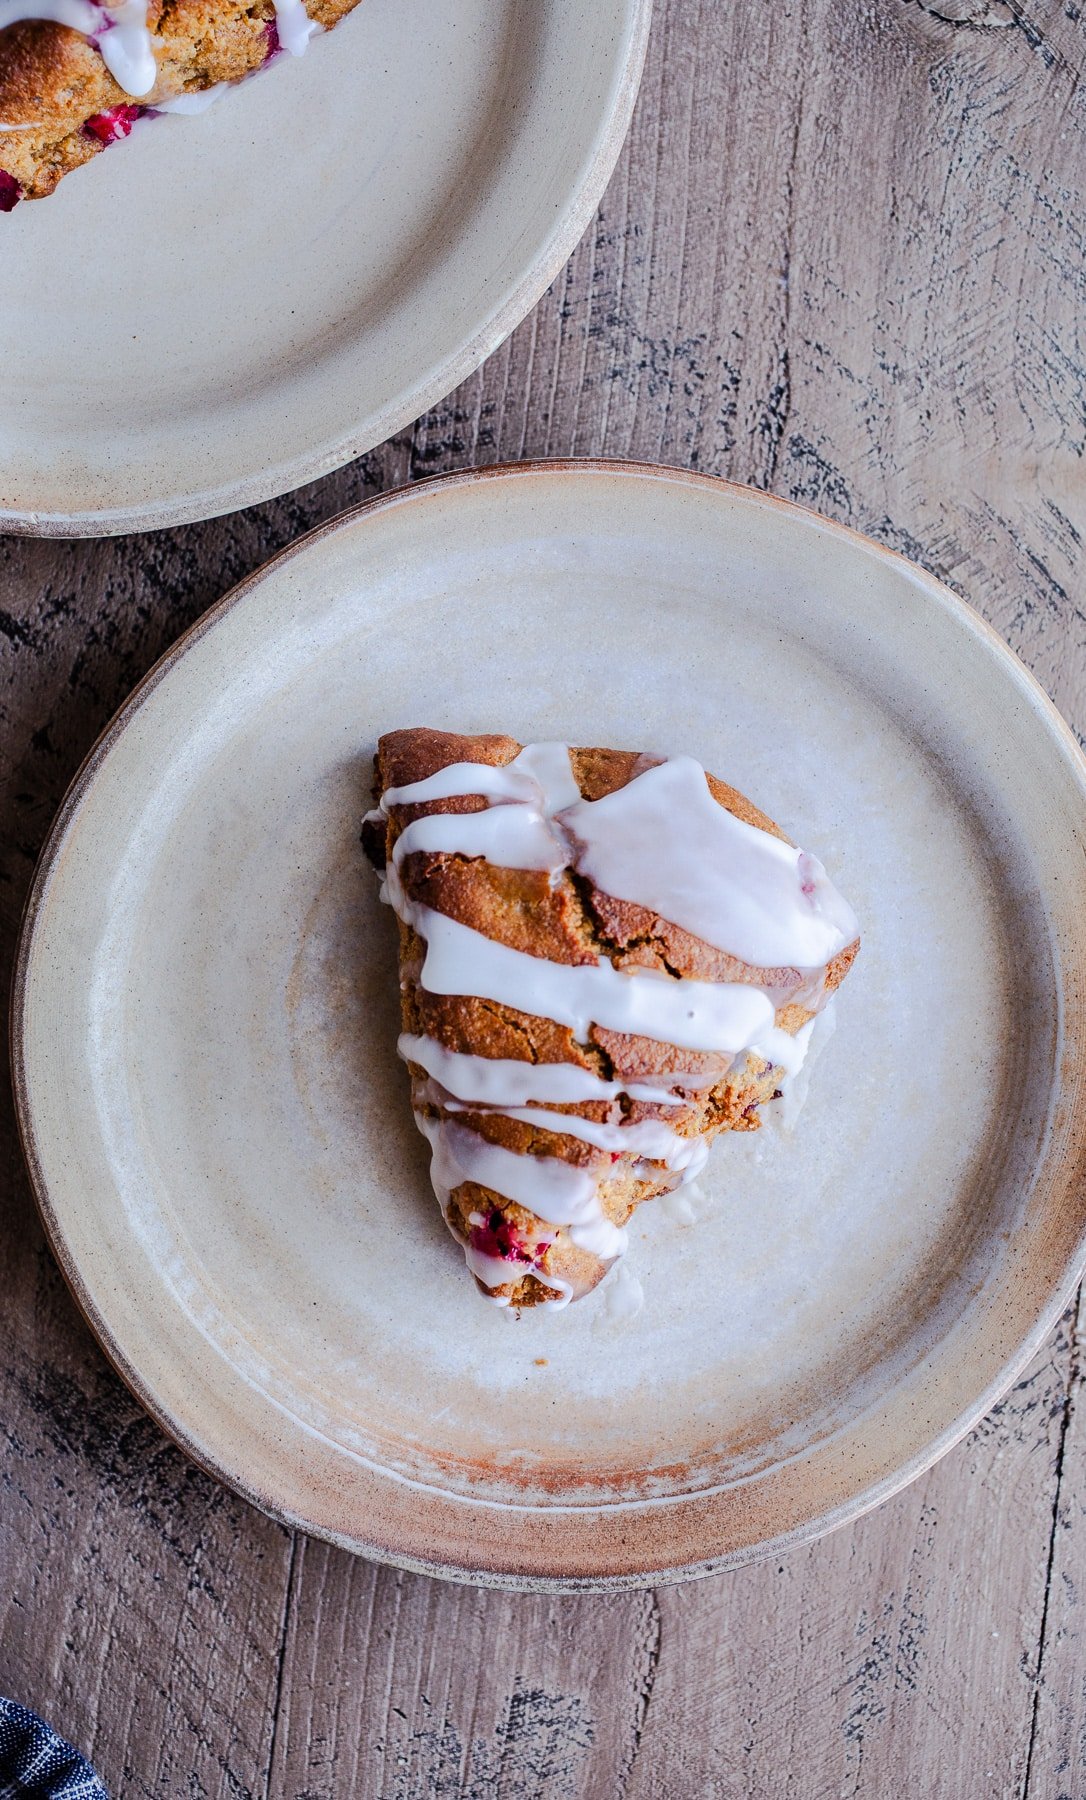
x=197 y=102
x=662 y=843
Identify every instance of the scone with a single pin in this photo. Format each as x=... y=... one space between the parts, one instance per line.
x=605 y=960
x=75 y=75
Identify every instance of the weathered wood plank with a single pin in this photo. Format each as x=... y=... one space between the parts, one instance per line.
x=401 y=1686
x=897 y=1656
x=885 y=359
x=1056 y=1754
x=142 y=1605
x=842 y=257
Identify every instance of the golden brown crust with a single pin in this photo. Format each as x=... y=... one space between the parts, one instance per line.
x=518 y=907
x=600 y=772
x=413 y=754
x=53 y=80
x=566 y=920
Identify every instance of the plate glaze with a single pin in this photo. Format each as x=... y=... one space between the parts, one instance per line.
x=219 y=1131
x=240 y=301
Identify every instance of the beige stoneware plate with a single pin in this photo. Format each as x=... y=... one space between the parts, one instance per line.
x=229 y=305
x=219 y=1131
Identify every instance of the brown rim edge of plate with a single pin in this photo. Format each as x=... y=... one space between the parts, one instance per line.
x=484 y=1576
x=271 y=484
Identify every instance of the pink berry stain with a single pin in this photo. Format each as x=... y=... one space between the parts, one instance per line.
x=271 y=40
x=10 y=192
x=115 y=123
x=498 y=1238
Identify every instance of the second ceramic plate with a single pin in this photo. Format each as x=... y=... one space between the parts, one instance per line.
x=229 y=305
x=219 y=1130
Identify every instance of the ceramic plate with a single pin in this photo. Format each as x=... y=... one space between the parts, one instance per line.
x=241 y=301
x=219 y=1130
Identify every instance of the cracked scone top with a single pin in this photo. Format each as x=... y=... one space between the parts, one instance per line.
x=605 y=960
x=75 y=75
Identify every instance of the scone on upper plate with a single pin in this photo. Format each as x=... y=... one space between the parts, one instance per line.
x=75 y=75
x=606 y=959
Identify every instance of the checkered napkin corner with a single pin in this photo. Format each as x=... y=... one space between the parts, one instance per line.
x=36 y=1764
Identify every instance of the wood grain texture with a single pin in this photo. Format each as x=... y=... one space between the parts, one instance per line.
x=907 y=1641
x=842 y=258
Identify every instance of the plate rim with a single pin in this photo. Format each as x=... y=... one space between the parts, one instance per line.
x=600 y=1580
x=488 y=336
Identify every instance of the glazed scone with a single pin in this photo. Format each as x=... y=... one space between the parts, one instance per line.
x=605 y=960
x=75 y=75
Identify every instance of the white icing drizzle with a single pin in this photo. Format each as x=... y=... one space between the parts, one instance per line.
x=518 y=837
x=120 y=33
x=294 y=26
x=460 y=779
x=794 y=1086
x=694 y=1015
x=787 y=1049
x=78 y=15
x=126 y=48
x=549 y=766
x=662 y=842
x=646 y=1137
x=555 y=1191
x=494 y=1272
x=125 y=44
x=541 y=775
x=564 y=1294
x=494 y=1082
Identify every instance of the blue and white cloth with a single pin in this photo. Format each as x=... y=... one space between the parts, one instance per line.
x=36 y=1764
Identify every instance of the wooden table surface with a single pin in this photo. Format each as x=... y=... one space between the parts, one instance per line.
x=842 y=257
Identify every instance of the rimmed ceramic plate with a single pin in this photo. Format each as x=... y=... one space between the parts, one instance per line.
x=219 y=1132
x=241 y=301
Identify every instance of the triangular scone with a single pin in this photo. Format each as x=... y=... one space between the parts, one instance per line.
x=605 y=959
